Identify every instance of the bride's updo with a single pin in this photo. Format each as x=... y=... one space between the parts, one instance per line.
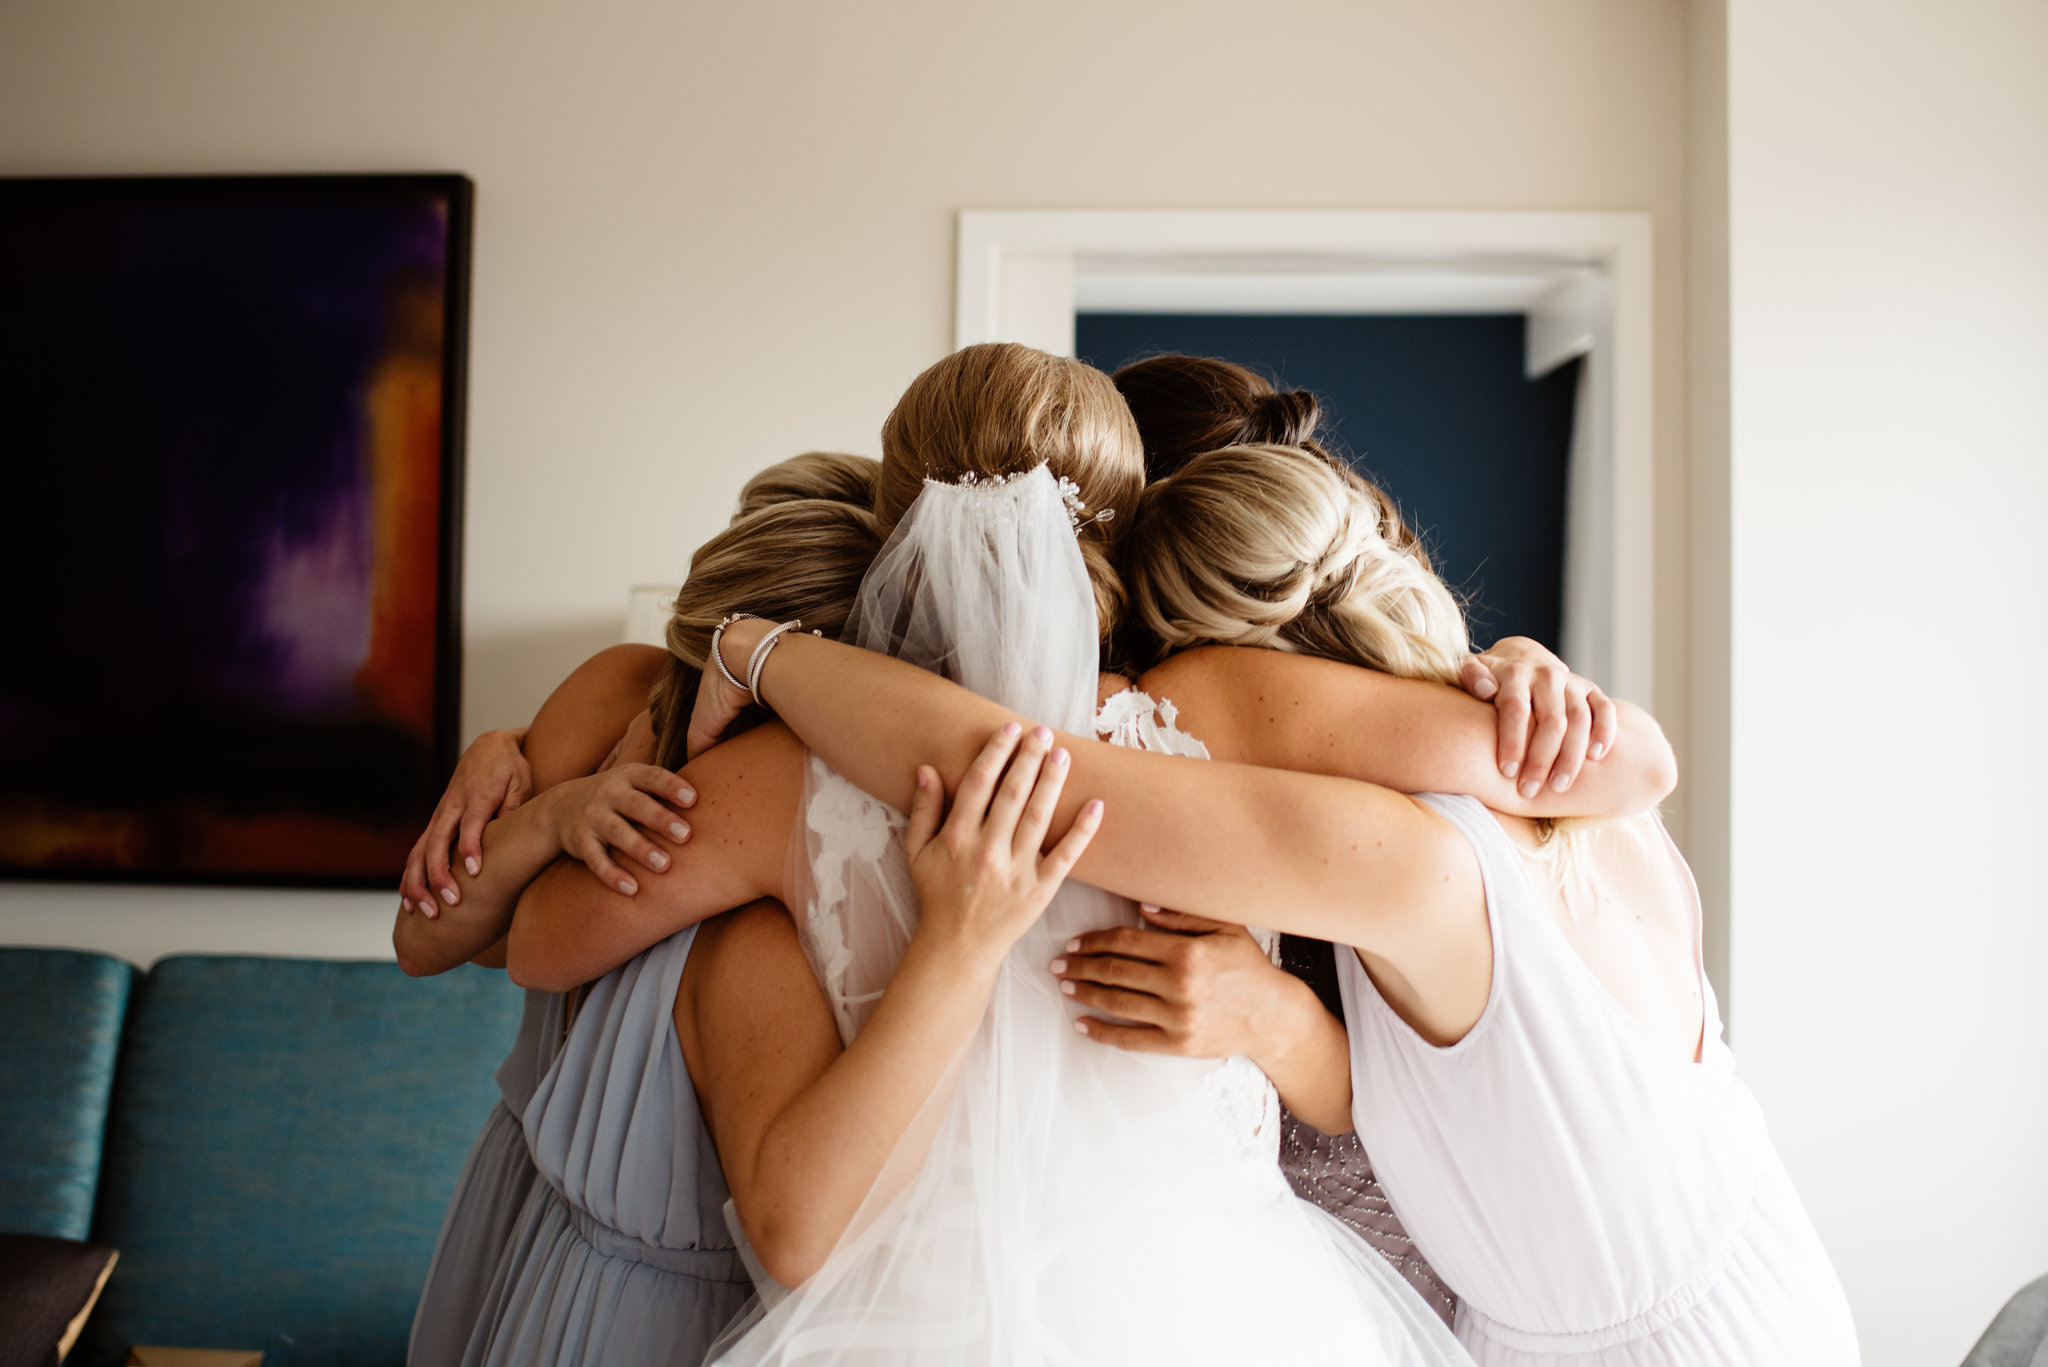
x=1275 y=546
x=814 y=474
x=1003 y=409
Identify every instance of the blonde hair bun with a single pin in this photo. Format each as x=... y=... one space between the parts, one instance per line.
x=1275 y=546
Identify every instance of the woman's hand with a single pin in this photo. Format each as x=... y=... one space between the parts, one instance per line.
x=719 y=704
x=615 y=809
x=491 y=778
x=1198 y=988
x=1551 y=720
x=981 y=878
x=1186 y=985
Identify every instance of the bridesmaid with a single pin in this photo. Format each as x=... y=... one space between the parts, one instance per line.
x=1223 y=1000
x=467 y=1280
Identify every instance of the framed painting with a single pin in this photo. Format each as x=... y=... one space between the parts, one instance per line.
x=231 y=427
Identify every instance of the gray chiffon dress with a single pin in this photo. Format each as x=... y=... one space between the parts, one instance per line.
x=621 y=1253
x=496 y=1180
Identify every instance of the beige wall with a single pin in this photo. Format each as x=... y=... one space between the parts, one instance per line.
x=711 y=236
x=1888 y=212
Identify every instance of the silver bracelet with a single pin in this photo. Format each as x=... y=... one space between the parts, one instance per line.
x=760 y=658
x=718 y=634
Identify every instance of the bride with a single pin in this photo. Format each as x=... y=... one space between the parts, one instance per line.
x=1053 y=1202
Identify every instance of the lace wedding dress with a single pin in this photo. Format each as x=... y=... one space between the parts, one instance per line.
x=1058 y=1201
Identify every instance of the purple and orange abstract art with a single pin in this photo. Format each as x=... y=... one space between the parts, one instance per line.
x=230 y=430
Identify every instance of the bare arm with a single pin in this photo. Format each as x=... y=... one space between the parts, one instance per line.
x=570 y=928
x=570 y=736
x=1290 y=711
x=803 y=1130
x=1326 y=857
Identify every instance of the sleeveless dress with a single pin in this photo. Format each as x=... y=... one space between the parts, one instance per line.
x=495 y=1182
x=1594 y=1201
x=621 y=1255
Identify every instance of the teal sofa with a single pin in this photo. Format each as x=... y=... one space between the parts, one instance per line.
x=270 y=1143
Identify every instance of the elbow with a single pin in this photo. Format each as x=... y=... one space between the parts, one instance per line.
x=411 y=960
x=790 y=1252
x=527 y=968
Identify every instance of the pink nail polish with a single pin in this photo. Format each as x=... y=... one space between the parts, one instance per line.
x=1073 y=945
x=1531 y=788
x=473 y=867
x=1012 y=729
x=1596 y=752
x=1080 y=1027
x=679 y=830
x=1148 y=908
x=1067 y=988
x=1510 y=769
x=448 y=896
x=628 y=886
x=1059 y=755
x=1041 y=733
x=1561 y=782
x=1059 y=965
x=659 y=860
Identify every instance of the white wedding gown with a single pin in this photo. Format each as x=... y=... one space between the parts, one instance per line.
x=1059 y=1202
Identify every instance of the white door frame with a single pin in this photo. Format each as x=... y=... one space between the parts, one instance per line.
x=1584 y=281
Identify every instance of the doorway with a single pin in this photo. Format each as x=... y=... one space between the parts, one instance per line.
x=1438 y=410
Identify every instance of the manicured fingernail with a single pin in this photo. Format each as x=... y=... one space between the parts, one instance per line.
x=1059 y=755
x=1059 y=965
x=1067 y=988
x=1073 y=945
x=628 y=886
x=1511 y=768
x=686 y=797
x=1080 y=1027
x=1531 y=788
x=1561 y=782
x=1148 y=908
x=448 y=896
x=1012 y=729
x=1041 y=734
x=430 y=911
x=473 y=866
x=658 y=859
x=1094 y=808
x=679 y=830
x=1597 y=751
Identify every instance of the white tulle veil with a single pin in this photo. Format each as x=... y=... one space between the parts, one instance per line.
x=1058 y=1201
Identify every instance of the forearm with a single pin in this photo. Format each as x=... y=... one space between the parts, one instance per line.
x=517 y=848
x=1336 y=859
x=821 y=1157
x=1309 y=1062
x=1290 y=711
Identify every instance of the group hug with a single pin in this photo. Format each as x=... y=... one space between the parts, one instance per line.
x=1070 y=893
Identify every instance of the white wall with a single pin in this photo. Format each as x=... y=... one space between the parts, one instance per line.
x=710 y=236
x=1888 y=191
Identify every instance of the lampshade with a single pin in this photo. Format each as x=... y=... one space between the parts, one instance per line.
x=647 y=613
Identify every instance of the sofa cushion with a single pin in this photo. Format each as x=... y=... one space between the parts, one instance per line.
x=285 y=1137
x=57 y=1057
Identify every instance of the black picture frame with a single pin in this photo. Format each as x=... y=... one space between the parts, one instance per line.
x=30 y=195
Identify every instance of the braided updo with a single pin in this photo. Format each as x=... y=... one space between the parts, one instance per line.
x=1274 y=546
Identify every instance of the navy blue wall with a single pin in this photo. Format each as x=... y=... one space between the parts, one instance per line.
x=1435 y=410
